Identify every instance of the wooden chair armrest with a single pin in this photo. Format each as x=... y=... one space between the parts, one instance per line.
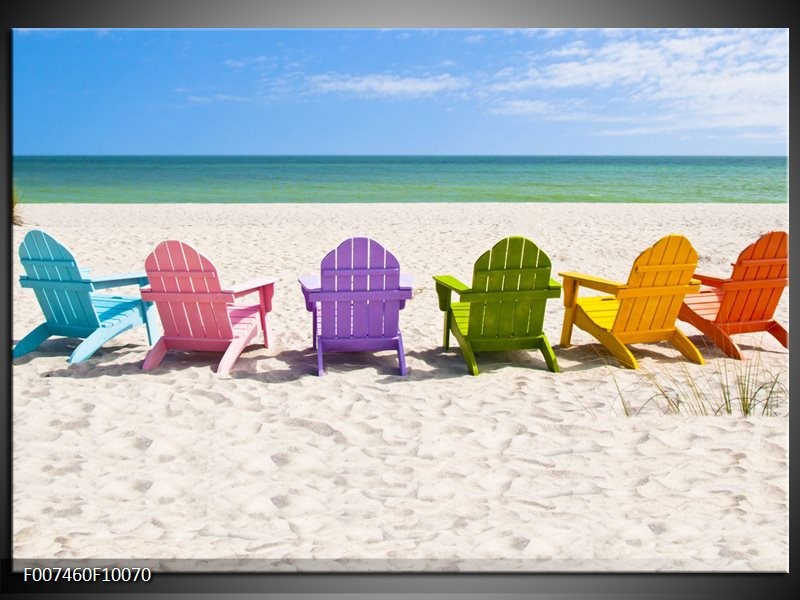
x=265 y=286
x=595 y=283
x=709 y=280
x=308 y=284
x=248 y=287
x=445 y=286
x=119 y=280
x=573 y=281
x=451 y=283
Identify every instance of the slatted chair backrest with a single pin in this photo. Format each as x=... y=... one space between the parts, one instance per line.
x=53 y=274
x=359 y=291
x=186 y=289
x=757 y=282
x=658 y=281
x=509 y=291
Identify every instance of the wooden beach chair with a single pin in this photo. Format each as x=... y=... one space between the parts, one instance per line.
x=504 y=308
x=66 y=295
x=196 y=313
x=745 y=302
x=644 y=309
x=355 y=302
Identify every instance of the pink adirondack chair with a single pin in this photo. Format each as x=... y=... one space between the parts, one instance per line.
x=356 y=300
x=196 y=313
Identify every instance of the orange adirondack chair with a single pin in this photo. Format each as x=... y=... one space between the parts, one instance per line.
x=746 y=301
x=644 y=309
x=196 y=313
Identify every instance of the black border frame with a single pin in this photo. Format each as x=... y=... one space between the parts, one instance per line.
x=372 y=13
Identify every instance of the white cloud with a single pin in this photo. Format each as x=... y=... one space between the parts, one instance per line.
x=247 y=62
x=576 y=49
x=547 y=33
x=99 y=32
x=530 y=33
x=631 y=131
x=386 y=85
x=523 y=107
x=216 y=98
x=618 y=63
x=550 y=110
x=475 y=39
x=724 y=79
x=508 y=80
x=615 y=32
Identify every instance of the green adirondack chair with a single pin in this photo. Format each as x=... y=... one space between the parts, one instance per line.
x=504 y=308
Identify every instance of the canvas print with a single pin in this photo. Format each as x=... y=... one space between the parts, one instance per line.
x=401 y=300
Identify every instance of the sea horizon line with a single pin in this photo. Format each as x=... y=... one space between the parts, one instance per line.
x=404 y=155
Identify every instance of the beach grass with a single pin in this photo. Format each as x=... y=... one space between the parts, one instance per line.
x=745 y=388
x=16 y=198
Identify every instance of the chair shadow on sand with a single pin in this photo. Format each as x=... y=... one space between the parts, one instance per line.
x=105 y=360
x=293 y=365
x=449 y=364
x=583 y=357
x=283 y=367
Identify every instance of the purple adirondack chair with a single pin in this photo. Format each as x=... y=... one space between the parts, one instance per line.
x=356 y=300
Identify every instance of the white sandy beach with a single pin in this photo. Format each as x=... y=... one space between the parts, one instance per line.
x=516 y=469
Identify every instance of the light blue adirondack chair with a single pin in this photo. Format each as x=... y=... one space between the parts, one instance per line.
x=71 y=308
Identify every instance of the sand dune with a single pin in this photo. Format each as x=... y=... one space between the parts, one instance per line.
x=276 y=468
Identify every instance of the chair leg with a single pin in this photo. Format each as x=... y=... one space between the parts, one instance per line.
x=264 y=327
x=235 y=349
x=618 y=349
x=314 y=328
x=549 y=355
x=100 y=336
x=320 y=368
x=232 y=353
x=570 y=290
x=447 y=317
x=566 y=328
x=721 y=340
x=155 y=355
x=401 y=355
x=608 y=339
x=686 y=347
x=31 y=341
x=779 y=333
x=466 y=351
x=150 y=314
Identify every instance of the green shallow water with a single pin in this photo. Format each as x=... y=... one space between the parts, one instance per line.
x=299 y=179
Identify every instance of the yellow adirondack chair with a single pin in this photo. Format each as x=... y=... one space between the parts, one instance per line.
x=644 y=309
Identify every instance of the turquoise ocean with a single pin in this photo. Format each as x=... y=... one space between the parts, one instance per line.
x=329 y=179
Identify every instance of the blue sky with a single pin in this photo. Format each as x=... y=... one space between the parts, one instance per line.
x=414 y=91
